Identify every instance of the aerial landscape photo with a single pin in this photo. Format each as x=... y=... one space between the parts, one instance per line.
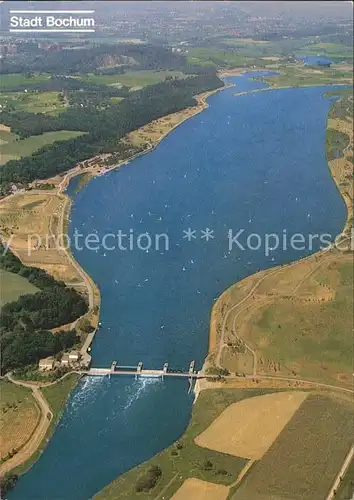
x=176 y=250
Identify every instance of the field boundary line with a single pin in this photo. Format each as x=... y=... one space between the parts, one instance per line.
x=242 y=473
x=163 y=491
x=343 y=470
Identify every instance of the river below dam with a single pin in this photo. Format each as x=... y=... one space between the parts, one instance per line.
x=255 y=163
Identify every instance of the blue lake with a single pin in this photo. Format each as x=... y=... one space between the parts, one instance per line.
x=255 y=163
x=314 y=60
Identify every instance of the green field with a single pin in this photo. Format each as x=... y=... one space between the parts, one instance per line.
x=12 y=394
x=16 y=79
x=32 y=102
x=11 y=147
x=294 y=76
x=12 y=286
x=184 y=458
x=313 y=336
x=252 y=48
x=335 y=51
x=133 y=78
x=220 y=58
x=306 y=457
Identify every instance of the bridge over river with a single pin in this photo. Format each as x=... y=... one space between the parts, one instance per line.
x=139 y=371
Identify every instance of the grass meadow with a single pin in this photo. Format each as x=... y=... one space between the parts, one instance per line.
x=13 y=286
x=11 y=147
x=33 y=102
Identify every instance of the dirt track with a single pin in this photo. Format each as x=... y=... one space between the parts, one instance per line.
x=33 y=443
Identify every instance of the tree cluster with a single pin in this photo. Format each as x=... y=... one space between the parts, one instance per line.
x=103 y=127
x=24 y=334
x=7 y=482
x=148 y=480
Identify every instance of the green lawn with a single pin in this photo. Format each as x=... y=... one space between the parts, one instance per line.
x=16 y=148
x=184 y=458
x=32 y=102
x=12 y=286
x=133 y=78
x=15 y=79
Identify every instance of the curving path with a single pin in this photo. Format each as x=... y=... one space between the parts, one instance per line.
x=37 y=437
x=222 y=343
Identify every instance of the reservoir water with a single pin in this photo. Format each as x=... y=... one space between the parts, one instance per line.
x=255 y=163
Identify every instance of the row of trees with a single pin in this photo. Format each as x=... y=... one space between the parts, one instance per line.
x=57 y=83
x=24 y=334
x=104 y=127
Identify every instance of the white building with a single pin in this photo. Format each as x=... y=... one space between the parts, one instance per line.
x=65 y=359
x=46 y=364
x=73 y=356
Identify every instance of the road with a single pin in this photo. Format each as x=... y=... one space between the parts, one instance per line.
x=37 y=437
x=341 y=473
x=222 y=343
x=222 y=336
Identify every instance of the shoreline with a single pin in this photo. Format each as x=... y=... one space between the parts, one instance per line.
x=43 y=425
x=65 y=214
x=216 y=346
x=93 y=292
x=201 y=106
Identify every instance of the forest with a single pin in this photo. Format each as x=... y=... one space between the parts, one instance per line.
x=24 y=334
x=93 y=58
x=103 y=127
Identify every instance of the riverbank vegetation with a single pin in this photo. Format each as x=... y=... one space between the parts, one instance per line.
x=184 y=459
x=58 y=393
x=25 y=322
x=104 y=127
